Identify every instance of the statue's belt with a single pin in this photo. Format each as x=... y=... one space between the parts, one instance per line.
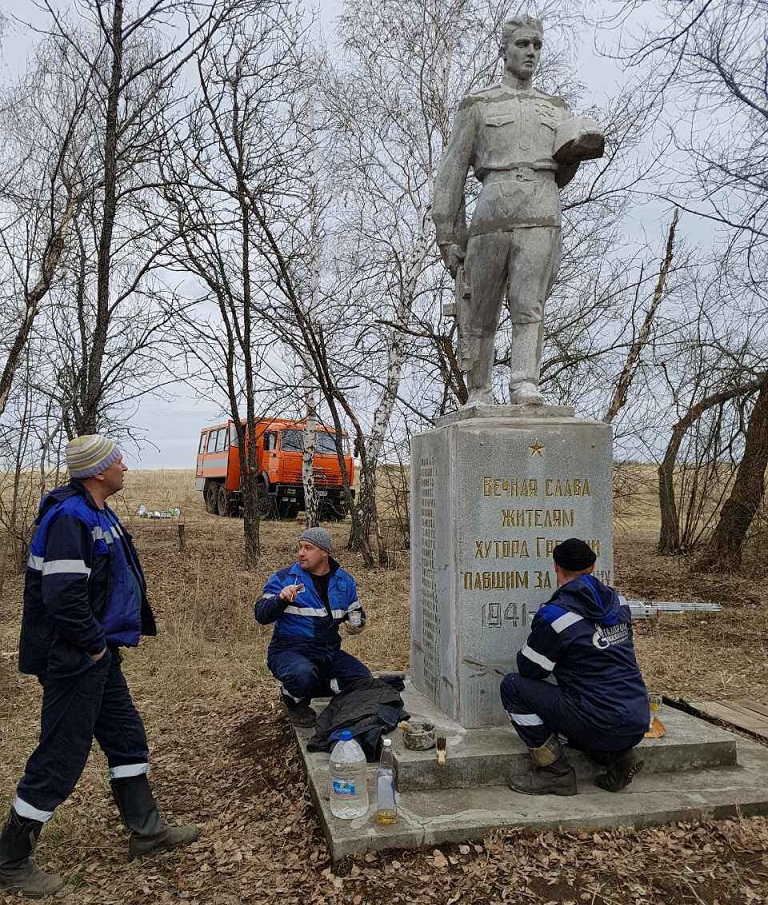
x=516 y=174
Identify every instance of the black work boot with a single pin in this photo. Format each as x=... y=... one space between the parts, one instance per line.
x=149 y=832
x=18 y=872
x=551 y=774
x=621 y=768
x=299 y=712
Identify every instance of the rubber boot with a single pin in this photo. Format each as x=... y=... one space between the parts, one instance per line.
x=621 y=768
x=18 y=872
x=551 y=774
x=525 y=364
x=149 y=832
x=299 y=712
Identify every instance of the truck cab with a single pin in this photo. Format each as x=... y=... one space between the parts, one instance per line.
x=279 y=455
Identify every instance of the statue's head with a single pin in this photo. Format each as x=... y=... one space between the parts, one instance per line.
x=521 y=40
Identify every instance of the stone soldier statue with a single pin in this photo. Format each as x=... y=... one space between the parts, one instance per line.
x=524 y=146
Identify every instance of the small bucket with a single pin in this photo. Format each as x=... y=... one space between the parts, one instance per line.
x=421 y=736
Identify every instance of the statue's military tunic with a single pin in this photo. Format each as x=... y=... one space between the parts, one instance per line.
x=507 y=135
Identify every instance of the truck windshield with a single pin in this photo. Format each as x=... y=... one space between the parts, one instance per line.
x=293 y=441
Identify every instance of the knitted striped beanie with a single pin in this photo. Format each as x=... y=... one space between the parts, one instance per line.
x=90 y=454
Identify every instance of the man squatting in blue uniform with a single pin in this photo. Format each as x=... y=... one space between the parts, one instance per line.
x=84 y=597
x=308 y=601
x=583 y=635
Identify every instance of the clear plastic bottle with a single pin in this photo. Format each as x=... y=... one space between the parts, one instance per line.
x=349 y=780
x=386 y=803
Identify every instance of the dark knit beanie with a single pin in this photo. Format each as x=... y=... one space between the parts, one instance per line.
x=574 y=555
x=317 y=536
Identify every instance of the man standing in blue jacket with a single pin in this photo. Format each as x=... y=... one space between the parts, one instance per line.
x=84 y=597
x=582 y=635
x=308 y=601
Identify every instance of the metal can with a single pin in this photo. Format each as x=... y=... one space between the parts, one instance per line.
x=355 y=618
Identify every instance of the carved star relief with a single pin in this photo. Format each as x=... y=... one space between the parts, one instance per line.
x=536 y=448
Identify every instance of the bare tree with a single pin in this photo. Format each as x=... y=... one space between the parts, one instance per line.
x=715 y=51
x=724 y=549
x=41 y=118
x=619 y=398
x=232 y=164
x=131 y=57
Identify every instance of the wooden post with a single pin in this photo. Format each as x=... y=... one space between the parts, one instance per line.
x=182 y=535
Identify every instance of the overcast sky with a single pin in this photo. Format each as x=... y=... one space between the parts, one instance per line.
x=172 y=426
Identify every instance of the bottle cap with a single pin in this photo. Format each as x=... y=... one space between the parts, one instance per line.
x=345 y=735
x=387 y=742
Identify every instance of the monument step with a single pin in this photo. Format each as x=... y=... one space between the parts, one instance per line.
x=428 y=818
x=491 y=756
x=483 y=757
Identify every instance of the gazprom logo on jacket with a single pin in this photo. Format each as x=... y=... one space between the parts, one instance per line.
x=606 y=635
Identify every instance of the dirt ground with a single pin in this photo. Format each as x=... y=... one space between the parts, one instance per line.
x=223 y=756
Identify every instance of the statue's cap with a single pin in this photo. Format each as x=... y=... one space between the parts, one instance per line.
x=516 y=23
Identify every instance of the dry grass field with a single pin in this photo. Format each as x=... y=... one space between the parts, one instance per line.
x=223 y=756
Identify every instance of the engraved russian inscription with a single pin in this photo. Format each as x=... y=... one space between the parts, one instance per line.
x=430 y=617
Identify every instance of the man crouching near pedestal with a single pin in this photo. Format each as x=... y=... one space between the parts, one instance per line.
x=308 y=601
x=583 y=635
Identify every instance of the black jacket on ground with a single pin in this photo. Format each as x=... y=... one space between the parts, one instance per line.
x=369 y=708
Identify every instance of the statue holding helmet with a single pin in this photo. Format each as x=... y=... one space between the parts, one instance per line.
x=523 y=146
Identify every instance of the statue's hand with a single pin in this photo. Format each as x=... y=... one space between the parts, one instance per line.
x=453 y=257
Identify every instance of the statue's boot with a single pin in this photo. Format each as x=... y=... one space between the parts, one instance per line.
x=18 y=872
x=525 y=362
x=480 y=375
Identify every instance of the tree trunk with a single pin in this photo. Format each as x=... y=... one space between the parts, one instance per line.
x=669 y=535
x=724 y=550
x=90 y=420
x=33 y=297
x=249 y=484
x=311 y=508
x=629 y=370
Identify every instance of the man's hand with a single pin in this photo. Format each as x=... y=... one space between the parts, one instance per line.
x=97 y=657
x=453 y=257
x=290 y=592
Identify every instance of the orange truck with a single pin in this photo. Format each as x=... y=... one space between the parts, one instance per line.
x=279 y=454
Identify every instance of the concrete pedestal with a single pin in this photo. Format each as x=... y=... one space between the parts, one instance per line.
x=493 y=490
x=696 y=771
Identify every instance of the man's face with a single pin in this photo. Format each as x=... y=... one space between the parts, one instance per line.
x=114 y=476
x=523 y=53
x=311 y=557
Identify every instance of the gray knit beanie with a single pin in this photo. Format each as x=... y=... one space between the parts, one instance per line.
x=317 y=536
x=90 y=454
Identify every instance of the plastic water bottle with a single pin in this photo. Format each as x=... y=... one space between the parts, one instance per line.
x=386 y=805
x=349 y=781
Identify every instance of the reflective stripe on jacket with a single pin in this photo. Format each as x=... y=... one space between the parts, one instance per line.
x=306 y=625
x=83 y=588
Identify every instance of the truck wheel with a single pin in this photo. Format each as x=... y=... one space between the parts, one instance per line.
x=225 y=504
x=287 y=510
x=211 y=496
x=265 y=504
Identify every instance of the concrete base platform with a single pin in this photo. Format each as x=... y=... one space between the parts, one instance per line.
x=492 y=756
x=697 y=771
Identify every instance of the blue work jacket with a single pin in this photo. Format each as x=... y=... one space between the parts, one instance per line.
x=307 y=625
x=84 y=586
x=583 y=635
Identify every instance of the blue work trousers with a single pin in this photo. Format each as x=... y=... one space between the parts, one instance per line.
x=76 y=709
x=304 y=676
x=539 y=709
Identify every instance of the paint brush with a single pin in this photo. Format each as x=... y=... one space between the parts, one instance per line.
x=440 y=744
